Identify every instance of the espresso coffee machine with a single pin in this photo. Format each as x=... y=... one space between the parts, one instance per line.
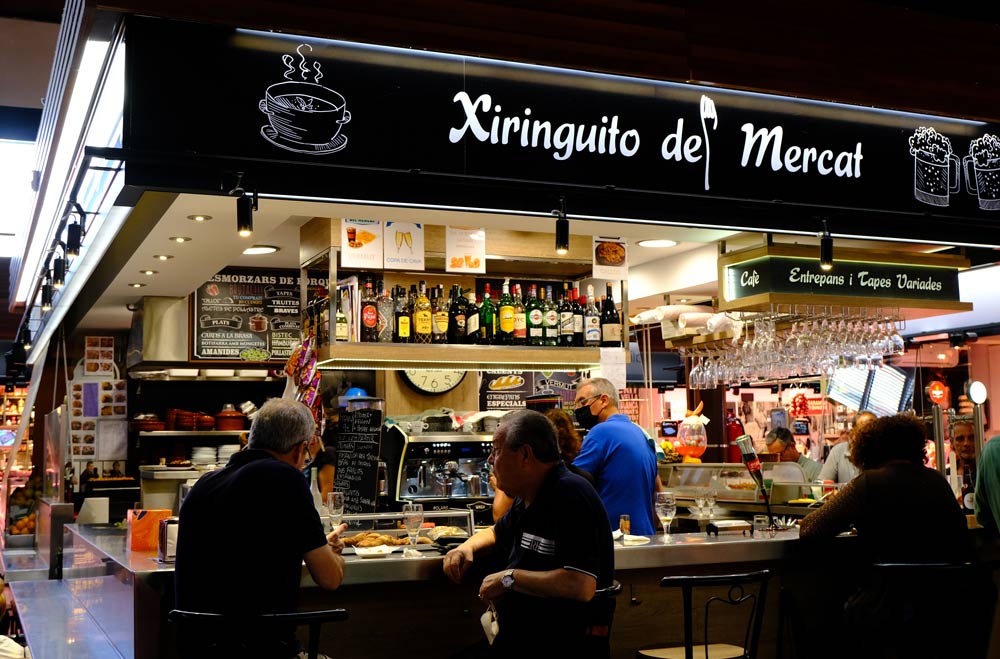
x=445 y=470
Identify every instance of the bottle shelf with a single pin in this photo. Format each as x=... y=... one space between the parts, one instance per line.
x=191 y=433
x=396 y=356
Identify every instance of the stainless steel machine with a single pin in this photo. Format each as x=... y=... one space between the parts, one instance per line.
x=445 y=470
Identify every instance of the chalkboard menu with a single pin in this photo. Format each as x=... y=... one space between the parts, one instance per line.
x=356 y=472
x=247 y=316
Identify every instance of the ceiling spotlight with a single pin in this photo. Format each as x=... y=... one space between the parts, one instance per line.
x=136 y=284
x=47 y=294
x=180 y=239
x=658 y=242
x=148 y=273
x=74 y=236
x=26 y=337
x=260 y=249
x=683 y=300
x=58 y=273
x=245 y=206
x=200 y=218
x=562 y=228
x=825 y=249
x=162 y=257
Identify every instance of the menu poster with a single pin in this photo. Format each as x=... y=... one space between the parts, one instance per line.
x=95 y=407
x=112 y=439
x=508 y=390
x=404 y=247
x=100 y=355
x=356 y=475
x=562 y=384
x=248 y=315
x=610 y=258
x=361 y=244
x=465 y=250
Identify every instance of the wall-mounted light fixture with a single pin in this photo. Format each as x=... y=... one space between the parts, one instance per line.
x=58 y=272
x=245 y=206
x=25 y=336
x=562 y=228
x=47 y=293
x=825 y=248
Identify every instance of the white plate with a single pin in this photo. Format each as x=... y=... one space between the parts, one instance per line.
x=631 y=540
x=374 y=552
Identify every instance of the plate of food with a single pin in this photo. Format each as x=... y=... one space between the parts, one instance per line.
x=609 y=253
x=381 y=551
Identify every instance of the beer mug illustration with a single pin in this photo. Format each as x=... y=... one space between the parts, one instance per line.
x=935 y=167
x=984 y=182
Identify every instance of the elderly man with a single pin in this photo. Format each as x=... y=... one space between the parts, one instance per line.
x=782 y=442
x=245 y=530
x=556 y=546
x=615 y=452
x=838 y=466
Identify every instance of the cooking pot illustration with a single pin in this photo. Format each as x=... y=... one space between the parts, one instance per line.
x=304 y=117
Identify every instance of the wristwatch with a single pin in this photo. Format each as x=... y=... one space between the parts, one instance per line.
x=507 y=580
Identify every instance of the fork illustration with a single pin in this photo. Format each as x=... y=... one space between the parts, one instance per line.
x=707 y=112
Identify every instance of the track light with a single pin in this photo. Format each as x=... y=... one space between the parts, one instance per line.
x=562 y=228
x=245 y=206
x=26 y=337
x=74 y=235
x=58 y=273
x=825 y=249
x=47 y=294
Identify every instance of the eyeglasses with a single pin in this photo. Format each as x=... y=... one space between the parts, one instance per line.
x=309 y=454
x=585 y=402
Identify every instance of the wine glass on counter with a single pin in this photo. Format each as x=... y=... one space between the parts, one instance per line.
x=413 y=519
x=666 y=508
x=335 y=508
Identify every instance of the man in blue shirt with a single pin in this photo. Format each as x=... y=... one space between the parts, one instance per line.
x=615 y=452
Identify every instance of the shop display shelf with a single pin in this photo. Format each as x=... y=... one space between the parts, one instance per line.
x=394 y=356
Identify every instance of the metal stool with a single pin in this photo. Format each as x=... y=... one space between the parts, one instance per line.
x=737 y=596
x=242 y=636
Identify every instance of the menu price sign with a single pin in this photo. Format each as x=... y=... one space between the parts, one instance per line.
x=465 y=250
x=404 y=247
x=508 y=390
x=361 y=242
x=248 y=316
x=356 y=475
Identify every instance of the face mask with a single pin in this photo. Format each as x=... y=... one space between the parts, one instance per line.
x=585 y=417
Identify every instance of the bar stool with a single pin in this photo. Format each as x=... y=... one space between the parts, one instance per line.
x=736 y=597
x=221 y=635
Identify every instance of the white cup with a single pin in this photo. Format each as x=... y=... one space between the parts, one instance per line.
x=413 y=427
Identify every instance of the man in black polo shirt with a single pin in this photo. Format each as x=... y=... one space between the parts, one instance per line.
x=245 y=530
x=558 y=547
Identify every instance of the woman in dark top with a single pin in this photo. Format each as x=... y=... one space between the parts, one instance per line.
x=903 y=512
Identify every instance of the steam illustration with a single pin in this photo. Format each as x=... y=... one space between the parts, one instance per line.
x=303 y=115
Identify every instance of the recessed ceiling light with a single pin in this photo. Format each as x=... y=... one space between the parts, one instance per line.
x=200 y=218
x=136 y=284
x=260 y=249
x=684 y=299
x=162 y=257
x=149 y=273
x=942 y=356
x=179 y=239
x=657 y=243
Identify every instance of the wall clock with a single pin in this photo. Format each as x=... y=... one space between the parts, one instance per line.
x=432 y=382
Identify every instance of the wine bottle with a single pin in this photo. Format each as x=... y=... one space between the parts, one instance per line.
x=314 y=490
x=385 y=314
x=550 y=318
x=577 y=317
x=505 y=313
x=611 y=324
x=369 y=314
x=968 y=491
x=534 y=316
x=565 y=318
x=423 y=317
x=487 y=319
x=341 y=320
x=440 y=306
x=471 y=318
x=401 y=324
x=591 y=321
x=323 y=318
x=520 y=319
x=456 y=316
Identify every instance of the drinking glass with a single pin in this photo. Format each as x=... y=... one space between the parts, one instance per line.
x=710 y=504
x=335 y=507
x=666 y=508
x=699 y=504
x=761 y=527
x=413 y=519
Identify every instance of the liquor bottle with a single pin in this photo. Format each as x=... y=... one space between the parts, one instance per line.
x=968 y=491
x=577 y=317
x=471 y=318
x=520 y=319
x=487 y=319
x=505 y=316
x=611 y=322
x=401 y=318
x=550 y=318
x=456 y=316
x=385 y=314
x=323 y=318
x=591 y=321
x=440 y=305
x=342 y=333
x=369 y=314
x=535 y=312
x=566 y=318
x=423 y=316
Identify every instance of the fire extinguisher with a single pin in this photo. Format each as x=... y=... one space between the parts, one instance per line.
x=734 y=429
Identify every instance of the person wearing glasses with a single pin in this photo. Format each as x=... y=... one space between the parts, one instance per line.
x=260 y=496
x=618 y=456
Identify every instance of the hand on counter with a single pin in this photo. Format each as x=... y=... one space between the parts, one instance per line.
x=333 y=539
x=458 y=561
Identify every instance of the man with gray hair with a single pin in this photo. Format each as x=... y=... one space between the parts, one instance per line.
x=615 y=452
x=245 y=530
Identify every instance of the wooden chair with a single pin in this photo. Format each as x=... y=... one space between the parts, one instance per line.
x=737 y=597
x=236 y=636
